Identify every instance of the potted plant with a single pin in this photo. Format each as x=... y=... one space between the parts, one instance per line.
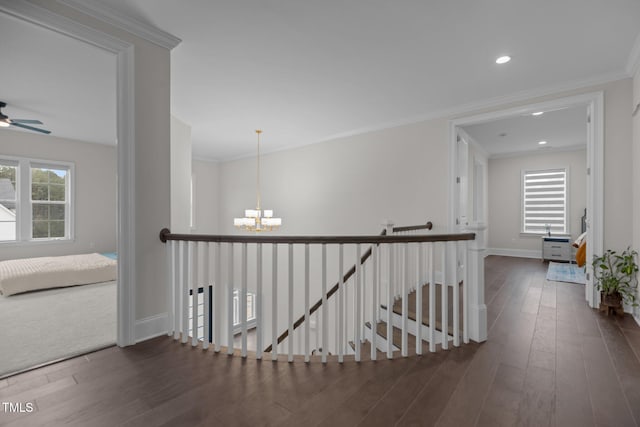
x=615 y=276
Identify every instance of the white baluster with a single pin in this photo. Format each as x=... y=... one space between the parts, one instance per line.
x=465 y=297
x=242 y=303
x=374 y=303
x=390 y=302
x=405 y=302
x=207 y=296
x=290 y=303
x=419 y=283
x=218 y=304
x=456 y=293
x=358 y=302
x=258 y=308
x=230 y=301
x=193 y=278
x=274 y=302
x=341 y=304
x=307 y=317
x=365 y=307
x=170 y=284
x=444 y=293
x=177 y=289
x=185 y=292
x=325 y=309
x=432 y=298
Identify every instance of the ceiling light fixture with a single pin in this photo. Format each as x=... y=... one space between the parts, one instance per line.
x=537 y=113
x=503 y=59
x=542 y=143
x=4 y=121
x=258 y=219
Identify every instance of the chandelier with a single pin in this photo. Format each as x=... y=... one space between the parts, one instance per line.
x=258 y=219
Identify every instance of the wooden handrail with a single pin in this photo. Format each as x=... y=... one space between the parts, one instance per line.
x=165 y=235
x=427 y=226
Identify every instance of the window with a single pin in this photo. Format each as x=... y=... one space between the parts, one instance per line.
x=35 y=200
x=251 y=312
x=544 y=201
x=48 y=202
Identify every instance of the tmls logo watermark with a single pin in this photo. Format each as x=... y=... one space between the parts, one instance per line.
x=17 y=407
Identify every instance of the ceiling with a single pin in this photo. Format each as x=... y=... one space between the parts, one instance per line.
x=562 y=129
x=310 y=71
x=66 y=84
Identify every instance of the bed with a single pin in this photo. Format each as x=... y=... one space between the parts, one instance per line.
x=31 y=274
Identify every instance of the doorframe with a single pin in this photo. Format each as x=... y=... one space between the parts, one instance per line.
x=594 y=101
x=125 y=104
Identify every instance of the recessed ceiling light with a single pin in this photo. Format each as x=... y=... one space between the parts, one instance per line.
x=503 y=59
x=542 y=142
x=537 y=113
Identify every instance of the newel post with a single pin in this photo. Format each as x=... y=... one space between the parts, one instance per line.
x=475 y=273
x=388 y=226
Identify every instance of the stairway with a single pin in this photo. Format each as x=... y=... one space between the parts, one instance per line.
x=381 y=326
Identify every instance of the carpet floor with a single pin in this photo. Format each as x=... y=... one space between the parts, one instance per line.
x=562 y=272
x=40 y=327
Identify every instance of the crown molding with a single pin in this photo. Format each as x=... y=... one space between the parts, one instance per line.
x=548 y=150
x=119 y=20
x=205 y=159
x=633 y=63
x=45 y=18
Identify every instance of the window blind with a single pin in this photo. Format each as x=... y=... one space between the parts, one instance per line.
x=544 y=201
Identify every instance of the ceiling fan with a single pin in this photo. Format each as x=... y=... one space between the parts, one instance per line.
x=5 y=121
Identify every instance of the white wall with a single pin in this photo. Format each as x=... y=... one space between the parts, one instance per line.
x=505 y=192
x=347 y=185
x=206 y=186
x=95 y=192
x=618 y=166
x=180 y=176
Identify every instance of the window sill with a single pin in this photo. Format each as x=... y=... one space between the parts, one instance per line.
x=251 y=324
x=539 y=235
x=36 y=242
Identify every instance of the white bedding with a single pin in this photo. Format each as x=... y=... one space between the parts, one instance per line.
x=29 y=274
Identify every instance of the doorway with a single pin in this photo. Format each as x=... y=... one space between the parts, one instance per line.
x=593 y=105
x=125 y=104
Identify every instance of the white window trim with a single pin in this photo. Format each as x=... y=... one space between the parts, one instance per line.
x=24 y=214
x=567 y=200
x=237 y=327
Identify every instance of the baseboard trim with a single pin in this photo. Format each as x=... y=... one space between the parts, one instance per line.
x=151 y=327
x=519 y=253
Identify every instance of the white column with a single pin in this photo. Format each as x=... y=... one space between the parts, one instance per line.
x=475 y=273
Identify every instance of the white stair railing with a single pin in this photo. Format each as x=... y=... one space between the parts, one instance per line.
x=286 y=273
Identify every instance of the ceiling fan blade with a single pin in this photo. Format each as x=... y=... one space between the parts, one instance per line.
x=31 y=122
x=30 y=128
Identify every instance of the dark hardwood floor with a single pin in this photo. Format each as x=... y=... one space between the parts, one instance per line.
x=549 y=360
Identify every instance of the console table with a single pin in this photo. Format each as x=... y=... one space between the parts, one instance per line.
x=556 y=248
